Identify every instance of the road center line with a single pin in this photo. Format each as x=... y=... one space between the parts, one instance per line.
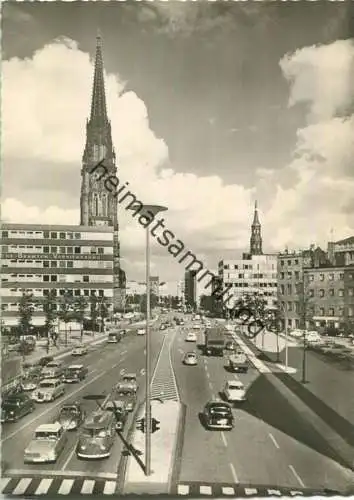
x=211 y=385
x=223 y=437
x=274 y=440
x=69 y=458
x=208 y=374
x=292 y=468
x=233 y=472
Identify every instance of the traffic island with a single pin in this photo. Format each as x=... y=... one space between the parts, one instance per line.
x=165 y=425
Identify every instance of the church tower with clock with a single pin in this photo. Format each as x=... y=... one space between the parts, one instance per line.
x=98 y=206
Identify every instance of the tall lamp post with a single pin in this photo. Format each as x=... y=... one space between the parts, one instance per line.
x=304 y=343
x=148 y=211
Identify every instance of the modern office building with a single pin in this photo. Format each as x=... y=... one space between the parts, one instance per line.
x=40 y=258
x=253 y=274
x=190 y=289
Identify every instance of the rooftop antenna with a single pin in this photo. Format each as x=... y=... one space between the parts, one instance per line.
x=332 y=234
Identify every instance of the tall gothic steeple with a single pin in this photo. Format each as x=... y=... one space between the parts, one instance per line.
x=98 y=206
x=256 y=237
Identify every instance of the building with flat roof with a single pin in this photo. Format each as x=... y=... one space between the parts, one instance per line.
x=40 y=258
x=190 y=289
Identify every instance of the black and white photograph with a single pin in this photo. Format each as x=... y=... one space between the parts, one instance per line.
x=177 y=249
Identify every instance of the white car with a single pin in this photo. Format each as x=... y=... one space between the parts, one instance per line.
x=197 y=326
x=190 y=359
x=48 y=390
x=313 y=337
x=234 y=390
x=141 y=331
x=79 y=350
x=191 y=337
x=297 y=333
x=47 y=444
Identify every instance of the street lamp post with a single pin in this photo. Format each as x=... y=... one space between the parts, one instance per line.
x=149 y=209
x=304 y=344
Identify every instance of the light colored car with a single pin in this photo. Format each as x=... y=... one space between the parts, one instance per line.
x=234 y=390
x=190 y=359
x=79 y=350
x=48 y=390
x=197 y=326
x=54 y=364
x=313 y=337
x=297 y=333
x=131 y=378
x=47 y=444
x=141 y=331
x=191 y=337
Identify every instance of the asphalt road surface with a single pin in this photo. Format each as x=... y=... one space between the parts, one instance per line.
x=270 y=445
x=106 y=364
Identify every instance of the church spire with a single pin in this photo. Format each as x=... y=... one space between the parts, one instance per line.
x=98 y=103
x=256 y=238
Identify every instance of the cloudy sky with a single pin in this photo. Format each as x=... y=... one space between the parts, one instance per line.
x=213 y=105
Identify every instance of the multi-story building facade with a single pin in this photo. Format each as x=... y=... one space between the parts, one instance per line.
x=329 y=296
x=155 y=285
x=190 y=288
x=253 y=274
x=99 y=206
x=341 y=252
x=39 y=258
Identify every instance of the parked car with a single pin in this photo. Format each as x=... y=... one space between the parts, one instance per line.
x=190 y=359
x=71 y=416
x=218 y=415
x=234 y=391
x=30 y=381
x=48 y=390
x=46 y=445
x=15 y=406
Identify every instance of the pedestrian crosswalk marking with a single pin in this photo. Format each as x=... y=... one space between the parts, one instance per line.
x=274 y=492
x=205 y=490
x=250 y=491
x=227 y=490
x=183 y=489
x=4 y=482
x=22 y=486
x=109 y=488
x=43 y=487
x=87 y=487
x=66 y=486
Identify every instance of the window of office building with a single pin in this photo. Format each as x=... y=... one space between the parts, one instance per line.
x=100 y=250
x=341 y=311
x=53 y=235
x=77 y=236
x=62 y=249
x=53 y=277
x=45 y=234
x=5 y=234
x=341 y=293
x=85 y=279
x=282 y=289
x=69 y=250
x=100 y=293
x=311 y=277
x=331 y=277
x=289 y=262
x=321 y=292
x=322 y=311
x=297 y=275
x=282 y=276
x=94 y=251
x=77 y=293
x=53 y=249
x=321 y=277
x=282 y=263
x=86 y=293
x=331 y=311
x=93 y=293
x=62 y=236
x=46 y=277
x=290 y=306
x=290 y=289
x=45 y=249
x=77 y=250
x=235 y=266
x=350 y=311
x=351 y=292
x=70 y=264
x=46 y=263
x=54 y=263
x=331 y=292
x=341 y=276
x=62 y=263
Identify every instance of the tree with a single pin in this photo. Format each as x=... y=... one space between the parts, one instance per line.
x=153 y=302
x=49 y=309
x=26 y=309
x=66 y=311
x=103 y=310
x=79 y=306
x=93 y=312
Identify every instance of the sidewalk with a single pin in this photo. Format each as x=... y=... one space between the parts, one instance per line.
x=163 y=445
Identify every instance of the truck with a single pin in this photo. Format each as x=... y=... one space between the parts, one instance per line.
x=238 y=362
x=214 y=341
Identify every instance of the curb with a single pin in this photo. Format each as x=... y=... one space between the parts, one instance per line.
x=178 y=449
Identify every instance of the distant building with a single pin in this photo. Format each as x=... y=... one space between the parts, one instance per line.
x=155 y=285
x=256 y=234
x=190 y=288
x=41 y=258
x=253 y=274
x=341 y=252
x=135 y=288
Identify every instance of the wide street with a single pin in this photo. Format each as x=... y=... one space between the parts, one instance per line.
x=106 y=364
x=271 y=446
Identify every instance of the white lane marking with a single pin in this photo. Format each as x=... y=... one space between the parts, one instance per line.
x=274 y=440
x=292 y=468
x=233 y=472
x=208 y=374
x=93 y=371
x=251 y=491
x=69 y=458
x=210 y=385
x=183 y=489
x=22 y=486
x=123 y=352
x=4 y=481
x=274 y=492
x=43 y=486
x=53 y=406
x=109 y=488
x=227 y=490
x=66 y=486
x=205 y=490
x=87 y=487
x=223 y=437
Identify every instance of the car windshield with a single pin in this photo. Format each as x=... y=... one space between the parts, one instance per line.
x=68 y=409
x=10 y=404
x=125 y=393
x=72 y=370
x=52 y=364
x=94 y=432
x=45 y=385
x=219 y=409
x=46 y=435
x=233 y=385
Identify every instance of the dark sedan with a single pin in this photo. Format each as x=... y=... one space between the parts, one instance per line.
x=218 y=415
x=15 y=406
x=71 y=416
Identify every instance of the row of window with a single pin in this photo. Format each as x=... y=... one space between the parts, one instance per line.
x=53 y=249
x=331 y=292
x=321 y=311
x=244 y=266
x=249 y=276
x=43 y=234
x=290 y=262
x=290 y=275
x=61 y=278
x=253 y=285
x=93 y=264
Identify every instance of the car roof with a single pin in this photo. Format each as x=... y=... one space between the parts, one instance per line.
x=76 y=366
x=55 y=427
x=191 y=353
x=56 y=379
x=218 y=402
x=234 y=382
x=129 y=375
